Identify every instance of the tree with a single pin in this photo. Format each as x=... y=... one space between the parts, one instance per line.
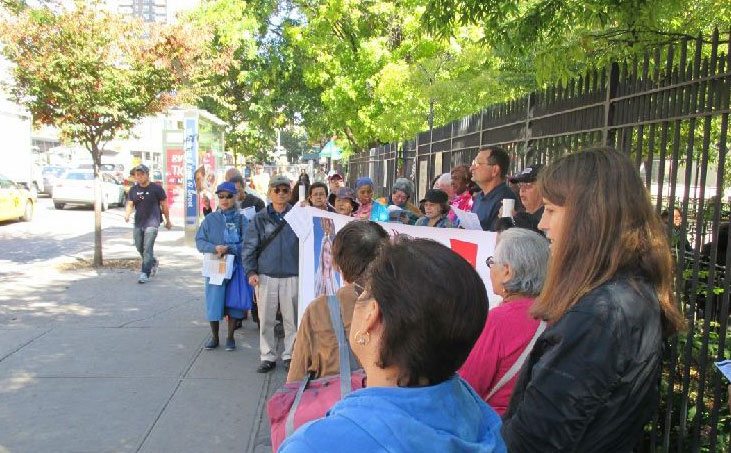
x=260 y=89
x=380 y=75
x=93 y=74
x=558 y=39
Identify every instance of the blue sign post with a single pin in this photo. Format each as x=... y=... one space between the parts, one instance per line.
x=191 y=161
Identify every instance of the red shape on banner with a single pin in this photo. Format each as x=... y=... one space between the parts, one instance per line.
x=466 y=250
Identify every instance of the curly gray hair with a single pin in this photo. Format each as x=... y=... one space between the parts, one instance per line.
x=405 y=186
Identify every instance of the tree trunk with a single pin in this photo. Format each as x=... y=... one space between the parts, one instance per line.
x=350 y=136
x=97 y=159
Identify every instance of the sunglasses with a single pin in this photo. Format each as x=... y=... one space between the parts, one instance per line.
x=221 y=196
x=284 y=190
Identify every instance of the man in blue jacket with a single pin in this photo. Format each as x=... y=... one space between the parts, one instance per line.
x=271 y=259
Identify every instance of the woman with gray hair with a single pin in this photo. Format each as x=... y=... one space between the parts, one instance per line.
x=400 y=209
x=517 y=271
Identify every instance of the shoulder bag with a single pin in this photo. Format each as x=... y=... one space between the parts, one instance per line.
x=298 y=403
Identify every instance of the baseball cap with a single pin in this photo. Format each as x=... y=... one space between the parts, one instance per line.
x=345 y=192
x=279 y=180
x=227 y=187
x=335 y=176
x=141 y=167
x=435 y=196
x=529 y=174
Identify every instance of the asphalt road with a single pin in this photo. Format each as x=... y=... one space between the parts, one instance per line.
x=56 y=233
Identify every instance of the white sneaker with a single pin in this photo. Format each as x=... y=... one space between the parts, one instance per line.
x=143 y=278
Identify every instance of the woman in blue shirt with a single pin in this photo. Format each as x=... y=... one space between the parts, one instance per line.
x=221 y=234
x=411 y=332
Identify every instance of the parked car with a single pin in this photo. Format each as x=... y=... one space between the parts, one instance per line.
x=77 y=187
x=16 y=202
x=50 y=173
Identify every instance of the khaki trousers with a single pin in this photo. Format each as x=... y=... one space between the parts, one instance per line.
x=275 y=292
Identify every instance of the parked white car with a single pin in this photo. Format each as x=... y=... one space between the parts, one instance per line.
x=77 y=187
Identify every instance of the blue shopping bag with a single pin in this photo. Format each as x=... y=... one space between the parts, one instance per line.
x=239 y=294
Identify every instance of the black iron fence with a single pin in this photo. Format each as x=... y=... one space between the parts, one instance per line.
x=669 y=111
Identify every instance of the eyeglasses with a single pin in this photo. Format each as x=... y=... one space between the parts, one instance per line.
x=525 y=185
x=490 y=261
x=284 y=190
x=477 y=163
x=221 y=196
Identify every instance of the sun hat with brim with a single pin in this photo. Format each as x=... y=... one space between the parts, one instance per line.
x=345 y=192
x=227 y=187
x=435 y=196
x=280 y=180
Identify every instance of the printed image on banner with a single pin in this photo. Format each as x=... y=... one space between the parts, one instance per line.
x=317 y=229
x=327 y=281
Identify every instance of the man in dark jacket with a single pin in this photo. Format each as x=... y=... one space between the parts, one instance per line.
x=271 y=259
x=244 y=198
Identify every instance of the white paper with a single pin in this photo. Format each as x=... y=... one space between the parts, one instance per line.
x=212 y=268
x=467 y=220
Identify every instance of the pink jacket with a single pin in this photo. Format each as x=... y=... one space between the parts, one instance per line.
x=508 y=330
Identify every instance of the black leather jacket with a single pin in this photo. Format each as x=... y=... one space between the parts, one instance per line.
x=591 y=382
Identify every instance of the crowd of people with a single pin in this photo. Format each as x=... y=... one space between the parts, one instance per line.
x=570 y=358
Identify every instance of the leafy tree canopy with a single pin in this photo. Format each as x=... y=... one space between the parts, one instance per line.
x=93 y=74
x=557 y=39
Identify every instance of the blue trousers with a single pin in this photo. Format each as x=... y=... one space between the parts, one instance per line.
x=145 y=243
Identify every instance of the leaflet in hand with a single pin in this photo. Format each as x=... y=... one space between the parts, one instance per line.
x=467 y=220
x=217 y=269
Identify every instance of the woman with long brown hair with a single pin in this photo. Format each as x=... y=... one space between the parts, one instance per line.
x=591 y=380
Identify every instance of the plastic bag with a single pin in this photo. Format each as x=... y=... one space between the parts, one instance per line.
x=239 y=294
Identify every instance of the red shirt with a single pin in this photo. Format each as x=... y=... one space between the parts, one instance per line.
x=508 y=330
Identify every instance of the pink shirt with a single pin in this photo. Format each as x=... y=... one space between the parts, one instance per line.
x=463 y=202
x=508 y=330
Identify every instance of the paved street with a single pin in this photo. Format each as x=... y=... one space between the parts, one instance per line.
x=92 y=361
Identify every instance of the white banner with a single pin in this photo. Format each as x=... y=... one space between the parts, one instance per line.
x=316 y=230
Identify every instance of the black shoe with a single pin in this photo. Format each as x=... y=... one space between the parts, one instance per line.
x=213 y=344
x=287 y=363
x=266 y=366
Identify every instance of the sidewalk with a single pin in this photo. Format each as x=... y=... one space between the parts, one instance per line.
x=93 y=361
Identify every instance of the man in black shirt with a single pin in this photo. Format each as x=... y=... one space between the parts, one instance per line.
x=245 y=199
x=149 y=203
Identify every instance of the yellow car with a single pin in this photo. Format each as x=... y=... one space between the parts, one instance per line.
x=16 y=202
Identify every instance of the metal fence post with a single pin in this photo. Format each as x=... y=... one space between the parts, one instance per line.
x=612 y=83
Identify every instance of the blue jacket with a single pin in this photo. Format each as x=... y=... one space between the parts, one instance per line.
x=447 y=417
x=210 y=233
x=281 y=257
